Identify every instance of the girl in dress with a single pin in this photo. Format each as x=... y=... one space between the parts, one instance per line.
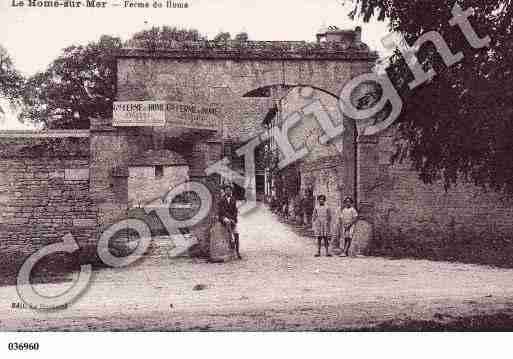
x=347 y=220
x=322 y=223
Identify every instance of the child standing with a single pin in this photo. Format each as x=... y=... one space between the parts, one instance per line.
x=285 y=207
x=347 y=220
x=322 y=223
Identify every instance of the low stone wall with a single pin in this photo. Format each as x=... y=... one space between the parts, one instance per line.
x=407 y=207
x=44 y=195
x=412 y=218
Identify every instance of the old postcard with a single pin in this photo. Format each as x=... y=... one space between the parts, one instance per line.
x=205 y=165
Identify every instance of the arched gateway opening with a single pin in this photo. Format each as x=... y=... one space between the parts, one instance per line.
x=328 y=169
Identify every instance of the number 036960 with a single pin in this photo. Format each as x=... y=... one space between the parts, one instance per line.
x=23 y=346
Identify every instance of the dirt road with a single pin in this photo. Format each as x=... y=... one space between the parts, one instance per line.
x=278 y=285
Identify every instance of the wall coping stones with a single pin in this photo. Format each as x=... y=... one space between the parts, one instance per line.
x=43 y=134
x=251 y=50
x=36 y=145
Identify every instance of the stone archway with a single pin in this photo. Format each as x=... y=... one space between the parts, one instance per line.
x=222 y=76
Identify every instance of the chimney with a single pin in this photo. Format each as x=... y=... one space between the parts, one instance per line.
x=334 y=34
x=358 y=35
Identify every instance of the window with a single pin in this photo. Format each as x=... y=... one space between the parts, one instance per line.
x=159 y=171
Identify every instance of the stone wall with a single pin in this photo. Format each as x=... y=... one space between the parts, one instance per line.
x=158 y=76
x=403 y=208
x=203 y=154
x=44 y=195
x=144 y=186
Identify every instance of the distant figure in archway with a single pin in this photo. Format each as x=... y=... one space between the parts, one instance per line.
x=307 y=207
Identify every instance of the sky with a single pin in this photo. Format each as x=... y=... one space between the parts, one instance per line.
x=34 y=36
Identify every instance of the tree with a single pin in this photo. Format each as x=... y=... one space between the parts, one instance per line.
x=242 y=37
x=78 y=85
x=223 y=37
x=11 y=81
x=165 y=36
x=226 y=36
x=459 y=124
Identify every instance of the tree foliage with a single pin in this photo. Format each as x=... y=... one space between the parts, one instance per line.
x=222 y=37
x=11 y=81
x=78 y=85
x=459 y=124
x=161 y=37
x=242 y=37
x=226 y=36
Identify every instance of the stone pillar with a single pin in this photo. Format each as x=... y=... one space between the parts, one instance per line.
x=367 y=174
x=348 y=185
x=109 y=153
x=205 y=153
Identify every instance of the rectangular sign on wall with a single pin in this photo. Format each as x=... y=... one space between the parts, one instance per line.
x=168 y=114
x=139 y=113
x=196 y=116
